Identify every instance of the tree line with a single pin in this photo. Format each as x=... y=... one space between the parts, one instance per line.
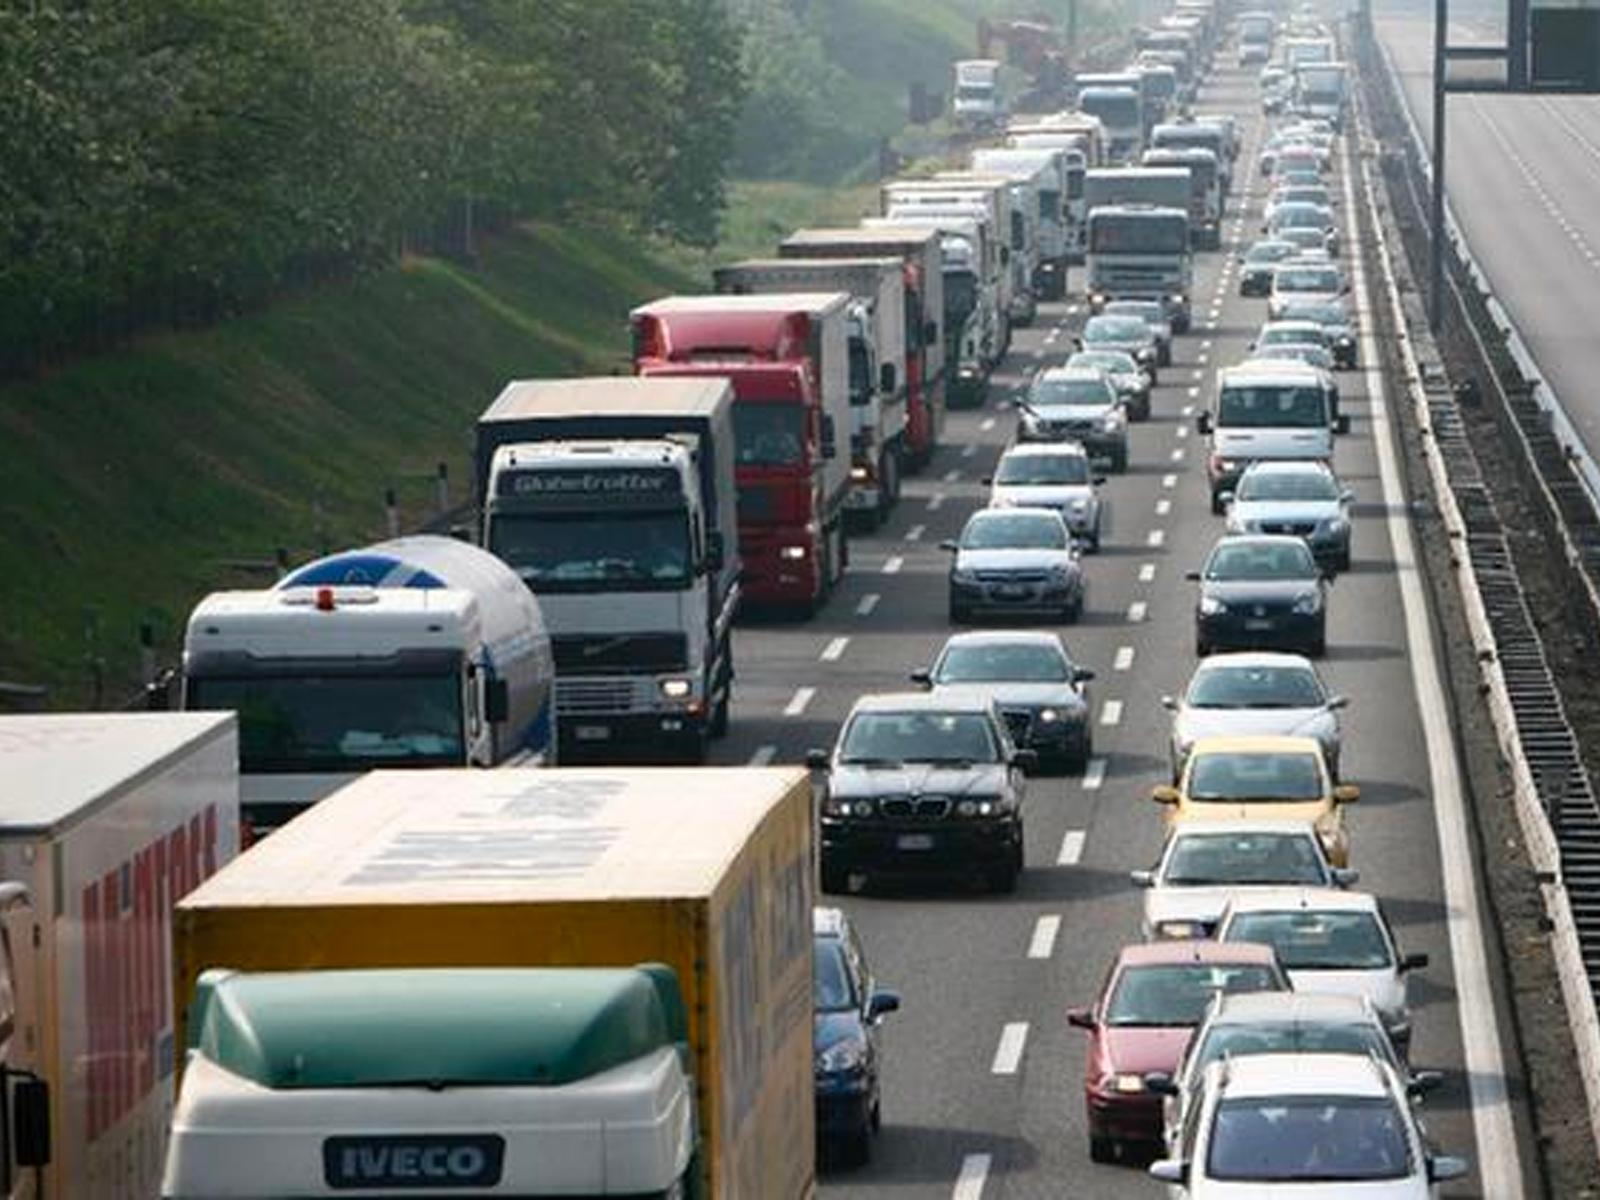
x=172 y=161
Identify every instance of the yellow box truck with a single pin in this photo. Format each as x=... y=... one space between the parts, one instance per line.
x=488 y=886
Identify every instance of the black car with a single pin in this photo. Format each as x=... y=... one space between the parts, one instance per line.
x=847 y=1012
x=1261 y=592
x=923 y=785
x=1258 y=263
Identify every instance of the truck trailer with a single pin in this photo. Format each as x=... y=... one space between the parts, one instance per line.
x=613 y=502
x=529 y=979
x=109 y=820
x=416 y=652
x=1046 y=170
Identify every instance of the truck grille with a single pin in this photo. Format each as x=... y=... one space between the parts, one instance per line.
x=619 y=653
x=932 y=807
x=593 y=697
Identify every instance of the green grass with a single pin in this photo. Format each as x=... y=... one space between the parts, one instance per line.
x=761 y=213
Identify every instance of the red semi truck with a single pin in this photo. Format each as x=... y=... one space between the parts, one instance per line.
x=921 y=253
x=788 y=360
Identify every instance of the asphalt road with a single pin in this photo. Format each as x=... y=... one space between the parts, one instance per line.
x=957 y=1121
x=1521 y=174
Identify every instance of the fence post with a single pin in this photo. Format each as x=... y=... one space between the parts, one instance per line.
x=392 y=511
x=442 y=484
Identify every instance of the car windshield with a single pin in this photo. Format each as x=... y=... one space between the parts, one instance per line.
x=1306 y=279
x=1241 y=561
x=1299 y=333
x=1149 y=313
x=1014 y=531
x=1312 y=310
x=1298 y=1037
x=1273 y=775
x=880 y=738
x=1116 y=329
x=1002 y=662
x=1316 y=356
x=1298 y=216
x=1039 y=470
x=1271 y=406
x=1316 y=941
x=1255 y=687
x=1167 y=994
x=1270 y=251
x=1049 y=390
x=1287 y=485
x=1117 y=362
x=1212 y=859
x=1311 y=1139
x=830 y=979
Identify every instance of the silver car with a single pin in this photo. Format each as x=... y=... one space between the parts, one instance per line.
x=1255 y=693
x=1075 y=405
x=1054 y=475
x=1302 y=498
x=1154 y=314
x=1131 y=381
x=1015 y=561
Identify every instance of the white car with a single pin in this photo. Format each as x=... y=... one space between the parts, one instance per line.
x=1254 y=693
x=1330 y=941
x=1279 y=1023
x=1296 y=280
x=1054 y=475
x=1205 y=864
x=1279 y=1126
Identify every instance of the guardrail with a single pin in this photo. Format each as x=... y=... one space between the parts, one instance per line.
x=1555 y=806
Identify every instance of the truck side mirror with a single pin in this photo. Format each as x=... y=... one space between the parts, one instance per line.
x=930 y=332
x=830 y=442
x=888 y=380
x=1341 y=424
x=716 y=552
x=30 y=1121
x=496 y=701
x=1005 y=256
x=1203 y=424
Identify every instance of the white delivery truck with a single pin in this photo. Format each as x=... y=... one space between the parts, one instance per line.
x=1320 y=91
x=418 y=652
x=1013 y=199
x=1081 y=138
x=613 y=499
x=1139 y=244
x=876 y=320
x=108 y=820
x=1045 y=171
x=1268 y=410
x=977 y=101
x=930 y=201
x=1118 y=101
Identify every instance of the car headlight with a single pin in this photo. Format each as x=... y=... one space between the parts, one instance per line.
x=1179 y=930
x=1336 y=524
x=1111 y=422
x=859 y=475
x=1079 y=506
x=1346 y=340
x=841 y=1058
x=836 y=807
x=1210 y=606
x=1127 y=1083
x=791 y=553
x=1176 y=298
x=983 y=806
x=1307 y=603
x=1049 y=716
x=676 y=689
x=1146 y=355
x=962 y=575
x=1060 y=573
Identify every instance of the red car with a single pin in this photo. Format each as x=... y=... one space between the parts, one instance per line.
x=1153 y=998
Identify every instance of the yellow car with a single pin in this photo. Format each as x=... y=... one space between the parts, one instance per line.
x=1274 y=778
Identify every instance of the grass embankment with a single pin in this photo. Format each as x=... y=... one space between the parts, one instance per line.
x=138 y=481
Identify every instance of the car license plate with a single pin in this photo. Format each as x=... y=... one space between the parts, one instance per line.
x=1258 y=624
x=1011 y=591
x=914 y=841
x=592 y=733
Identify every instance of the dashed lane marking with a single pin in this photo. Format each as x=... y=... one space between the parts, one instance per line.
x=1045 y=931
x=1008 y=1054
x=914 y=534
x=892 y=567
x=797 y=702
x=1124 y=659
x=1169 y=481
x=952 y=475
x=986 y=424
x=835 y=649
x=935 y=501
x=974 y=1173
x=1137 y=612
x=1156 y=538
x=763 y=756
x=1147 y=574
x=1163 y=507
x=867 y=604
x=1111 y=713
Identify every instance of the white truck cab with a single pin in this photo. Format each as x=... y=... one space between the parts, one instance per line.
x=977 y=99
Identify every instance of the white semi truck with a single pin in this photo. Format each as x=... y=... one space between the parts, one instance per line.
x=418 y=652
x=1045 y=170
x=614 y=501
x=977 y=101
x=876 y=320
x=932 y=201
x=1139 y=243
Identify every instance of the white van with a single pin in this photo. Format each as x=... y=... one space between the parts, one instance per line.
x=1267 y=409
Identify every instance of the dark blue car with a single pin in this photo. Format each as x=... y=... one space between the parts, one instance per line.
x=845 y=1041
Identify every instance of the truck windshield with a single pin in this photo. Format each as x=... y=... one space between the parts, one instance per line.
x=960 y=298
x=335 y=722
x=773 y=435
x=1050 y=206
x=1118 y=110
x=1141 y=233
x=595 y=551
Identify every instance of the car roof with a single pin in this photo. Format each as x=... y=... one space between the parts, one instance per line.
x=1249 y=1008
x=1004 y=637
x=1253 y=658
x=1244 y=825
x=1048 y=449
x=1293 y=466
x=1302 y=899
x=1068 y=374
x=1196 y=950
x=1292 y=326
x=1261 y=1076
x=1018 y=510
x=1255 y=743
x=894 y=702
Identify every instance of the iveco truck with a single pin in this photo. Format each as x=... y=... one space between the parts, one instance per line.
x=613 y=501
x=418 y=652
x=1139 y=246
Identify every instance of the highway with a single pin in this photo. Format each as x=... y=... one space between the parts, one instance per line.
x=1521 y=174
x=983 y=1077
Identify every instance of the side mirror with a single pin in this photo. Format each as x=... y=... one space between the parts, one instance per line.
x=496 y=701
x=1341 y=424
x=1203 y=424
x=1080 y=1018
x=1225 y=499
x=1077 y=342
x=923 y=677
x=464 y=533
x=1346 y=877
x=716 y=552
x=1142 y=879
x=950 y=544
x=1423 y=1082
x=888 y=380
x=1346 y=793
x=158 y=693
x=881 y=1003
x=1169 y=1170
x=1442 y=1168
x=830 y=441
x=1170 y=703
x=1335 y=703
x=1347 y=495
x=1413 y=962
x=1098 y=480
x=1192 y=576
x=30 y=1121
x=1082 y=674
x=1026 y=760
x=1164 y=794
x=1161 y=1083
x=817 y=760
x=987 y=481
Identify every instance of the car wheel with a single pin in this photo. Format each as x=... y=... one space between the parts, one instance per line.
x=959 y=615
x=1201 y=647
x=855 y=1147
x=1317 y=648
x=1102 y=1149
x=835 y=880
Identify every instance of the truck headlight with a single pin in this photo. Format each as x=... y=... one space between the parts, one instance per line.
x=1080 y=506
x=676 y=689
x=791 y=553
x=860 y=474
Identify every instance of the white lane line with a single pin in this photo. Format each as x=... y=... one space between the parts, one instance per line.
x=1205 y=343
x=1202 y=358
x=1137 y=611
x=797 y=702
x=1163 y=507
x=1178 y=454
x=1147 y=573
x=1124 y=659
x=1008 y=1054
x=914 y=534
x=1199 y=374
x=1156 y=538
x=1186 y=411
x=1072 y=841
x=935 y=501
x=1050 y=338
x=974 y=1172
x=868 y=603
x=1072 y=310
x=969 y=449
x=1182 y=431
x=986 y=424
x=1194 y=393
x=952 y=475
x=1497 y=1158
x=1169 y=481
x=835 y=649
x=1111 y=713
x=892 y=567
x=1045 y=931
x=763 y=756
